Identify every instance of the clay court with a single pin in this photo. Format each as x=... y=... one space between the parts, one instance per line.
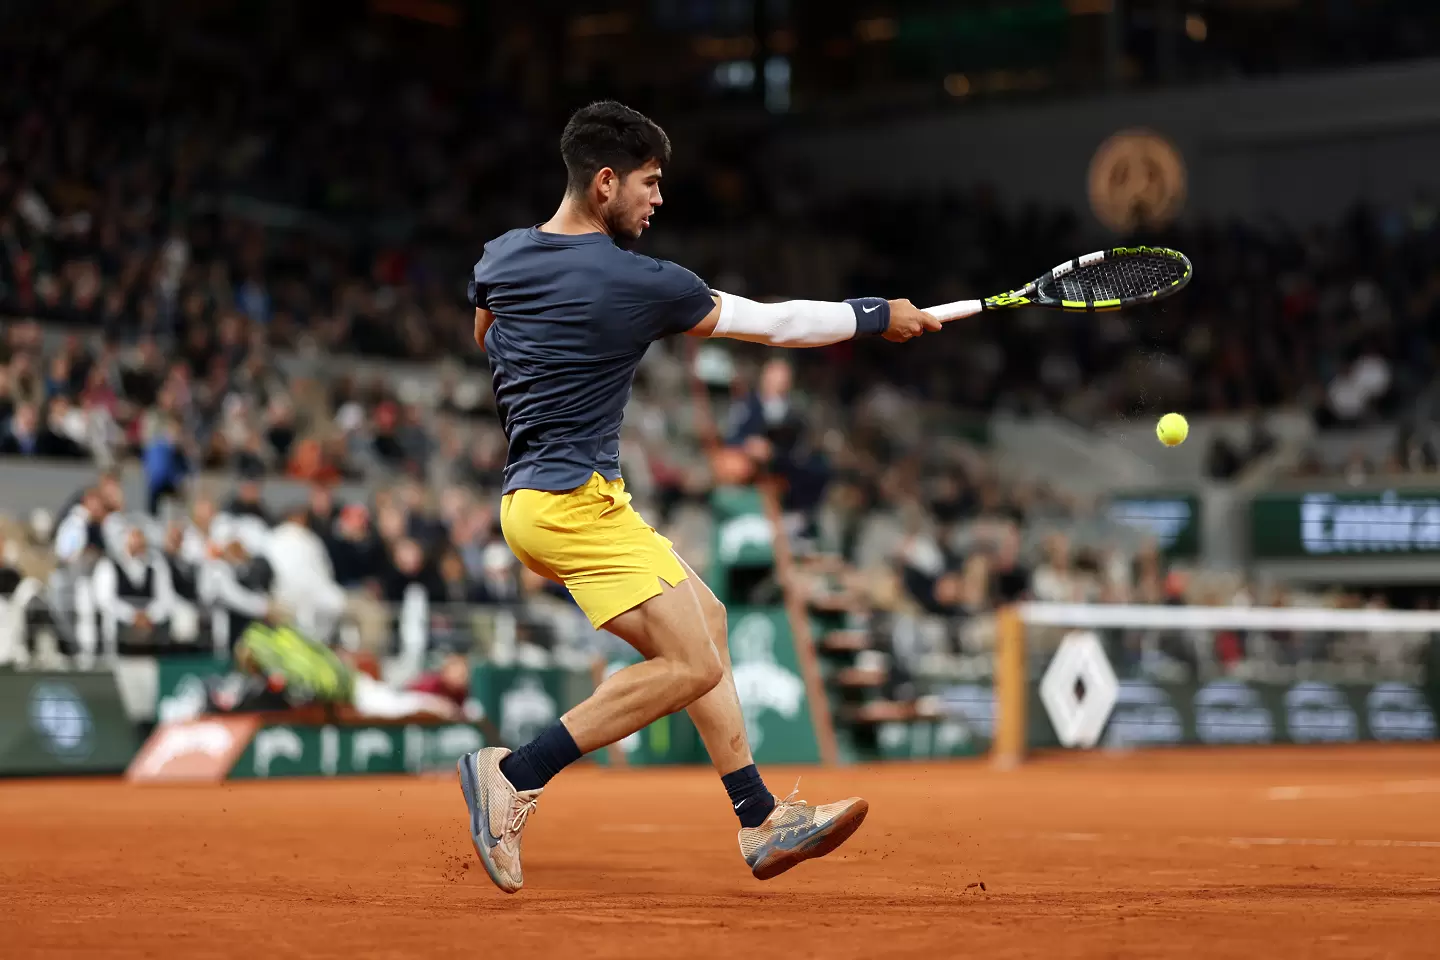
x=1316 y=852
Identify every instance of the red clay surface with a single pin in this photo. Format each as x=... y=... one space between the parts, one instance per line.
x=1314 y=852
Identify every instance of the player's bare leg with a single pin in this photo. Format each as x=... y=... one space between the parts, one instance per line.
x=775 y=835
x=717 y=715
x=780 y=833
x=681 y=634
x=681 y=665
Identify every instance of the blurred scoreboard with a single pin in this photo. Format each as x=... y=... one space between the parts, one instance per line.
x=1171 y=519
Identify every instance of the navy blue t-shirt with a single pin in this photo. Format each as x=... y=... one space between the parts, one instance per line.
x=573 y=317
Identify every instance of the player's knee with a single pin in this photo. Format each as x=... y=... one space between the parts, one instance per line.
x=711 y=673
x=700 y=675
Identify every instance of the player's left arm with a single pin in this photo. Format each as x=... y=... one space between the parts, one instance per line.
x=483 y=319
x=812 y=323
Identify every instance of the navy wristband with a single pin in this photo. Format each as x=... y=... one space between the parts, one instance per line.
x=872 y=315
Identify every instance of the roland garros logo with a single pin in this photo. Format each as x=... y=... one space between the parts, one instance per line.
x=1137 y=179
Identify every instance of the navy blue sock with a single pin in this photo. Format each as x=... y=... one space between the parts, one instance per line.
x=532 y=766
x=752 y=802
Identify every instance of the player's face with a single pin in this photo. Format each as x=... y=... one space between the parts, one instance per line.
x=632 y=199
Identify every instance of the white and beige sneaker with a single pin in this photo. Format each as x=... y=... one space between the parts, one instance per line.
x=795 y=832
x=497 y=815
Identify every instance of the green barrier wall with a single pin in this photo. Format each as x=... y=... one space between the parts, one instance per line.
x=772 y=693
x=292 y=750
x=522 y=701
x=63 y=723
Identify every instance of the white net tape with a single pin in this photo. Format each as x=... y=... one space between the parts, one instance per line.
x=1143 y=617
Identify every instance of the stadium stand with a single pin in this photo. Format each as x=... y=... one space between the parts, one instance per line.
x=169 y=308
x=176 y=285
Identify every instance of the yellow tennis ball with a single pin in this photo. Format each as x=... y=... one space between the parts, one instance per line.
x=1172 y=429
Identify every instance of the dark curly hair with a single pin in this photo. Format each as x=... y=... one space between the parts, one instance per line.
x=609 y=134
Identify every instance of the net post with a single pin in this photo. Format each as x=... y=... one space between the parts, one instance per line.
x=1008 y=748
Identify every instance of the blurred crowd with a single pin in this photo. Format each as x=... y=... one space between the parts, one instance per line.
x=110 y=401
x=221 y=210
x=888 y=514
x=407 y=572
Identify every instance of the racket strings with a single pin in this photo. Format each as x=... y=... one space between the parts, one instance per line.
x=1123 y=279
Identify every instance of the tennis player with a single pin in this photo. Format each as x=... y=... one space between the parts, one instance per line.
x=565 y=314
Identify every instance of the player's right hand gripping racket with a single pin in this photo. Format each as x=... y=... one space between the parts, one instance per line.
x=1104 y=280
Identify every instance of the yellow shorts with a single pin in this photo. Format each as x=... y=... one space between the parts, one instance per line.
x=591 y=540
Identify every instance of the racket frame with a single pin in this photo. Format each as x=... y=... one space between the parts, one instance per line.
x=1030 y=295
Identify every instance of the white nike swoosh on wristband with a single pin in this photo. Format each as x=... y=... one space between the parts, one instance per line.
x=870 y=309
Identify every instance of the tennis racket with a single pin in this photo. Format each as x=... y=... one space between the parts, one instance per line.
x=1104 y=280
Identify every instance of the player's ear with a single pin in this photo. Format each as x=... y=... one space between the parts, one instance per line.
x=607 y=181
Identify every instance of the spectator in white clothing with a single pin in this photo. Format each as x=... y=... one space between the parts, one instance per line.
x=235 y=587
x=1055 y=580
x=304 y=580
x=134 y=596
x=200 y=533
x=89 y=530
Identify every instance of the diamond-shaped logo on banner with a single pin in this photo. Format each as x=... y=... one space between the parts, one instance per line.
x=1079 y=690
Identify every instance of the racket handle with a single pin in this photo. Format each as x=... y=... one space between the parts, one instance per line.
x=957 y=310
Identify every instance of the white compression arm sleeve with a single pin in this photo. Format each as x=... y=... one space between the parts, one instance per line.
x=793 y=323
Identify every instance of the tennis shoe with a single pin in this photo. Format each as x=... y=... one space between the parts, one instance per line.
x=498 y=814
x=795 y=832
